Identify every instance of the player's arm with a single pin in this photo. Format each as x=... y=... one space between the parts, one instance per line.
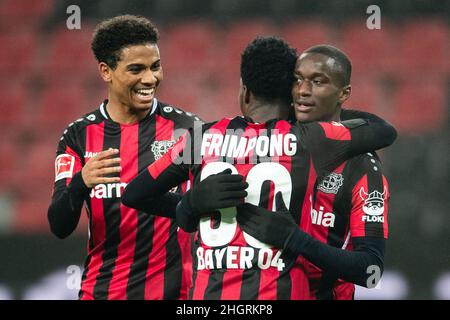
x=149 y=191
x=73 y=182
x=280 y=230
x=350 y=114
x=369 y=234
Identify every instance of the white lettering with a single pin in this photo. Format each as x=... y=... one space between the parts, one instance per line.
x=234 y=257
x=232 y=252
x=246 y=257
x=233 y=146
x=265 y=263
x=373 y=218
x=74 y=20
x=374 y=20
x=107 y=191
x=319 y=218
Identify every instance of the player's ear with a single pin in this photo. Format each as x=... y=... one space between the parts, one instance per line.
x=345 y=94
x=105 y=71
x=246 y=94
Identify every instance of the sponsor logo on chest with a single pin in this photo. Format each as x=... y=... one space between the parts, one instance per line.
x=325 y=219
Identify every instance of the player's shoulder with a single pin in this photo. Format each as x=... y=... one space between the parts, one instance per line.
x=90 y=118
x=366 y=163
x=177 y=114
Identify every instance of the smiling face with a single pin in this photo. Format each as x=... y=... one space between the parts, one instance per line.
x=133 y=83
x=318 y=91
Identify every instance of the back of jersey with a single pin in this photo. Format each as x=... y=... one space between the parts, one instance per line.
x=231 y=264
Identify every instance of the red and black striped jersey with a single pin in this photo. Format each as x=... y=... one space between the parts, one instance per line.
x=272 y=157
x=131 y=255
x=352 y=201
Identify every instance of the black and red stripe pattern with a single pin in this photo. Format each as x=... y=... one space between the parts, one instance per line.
x=337 y=215
x=272 y=157
x=131 y=255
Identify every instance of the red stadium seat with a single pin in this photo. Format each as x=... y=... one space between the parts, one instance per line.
x=225 y=101
x=238 y=36
x=34 y=186
x=17 y=56
x=307 y=33
x=35 y=168
x=24 y=14
x=70 y=56
x=367 y=95
x=8 y=154
x=14 y=96
x=183 y=94
x=424 y=46
x=369 y=50
x=31 y=214
x=420 y=105
x=189 y=48
x=59 y=106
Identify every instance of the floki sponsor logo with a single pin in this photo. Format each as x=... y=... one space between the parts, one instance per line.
x=373 y=205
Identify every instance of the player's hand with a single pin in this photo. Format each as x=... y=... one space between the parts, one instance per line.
x=104 y=167
x=217 y=191
x=274 y=228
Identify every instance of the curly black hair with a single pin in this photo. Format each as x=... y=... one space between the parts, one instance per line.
x=267 y=67
x=112 y=35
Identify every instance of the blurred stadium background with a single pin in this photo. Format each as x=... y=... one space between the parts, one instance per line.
x=49 y=78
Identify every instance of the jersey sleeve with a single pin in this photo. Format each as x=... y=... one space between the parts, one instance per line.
x=69 y=190
x=370 y=198
x=331 y=143
x=68 y=160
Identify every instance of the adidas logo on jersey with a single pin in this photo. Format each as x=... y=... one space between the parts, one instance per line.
x=322 y=219
x=108 y=191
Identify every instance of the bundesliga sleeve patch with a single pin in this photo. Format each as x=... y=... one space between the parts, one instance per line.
x=64 y=165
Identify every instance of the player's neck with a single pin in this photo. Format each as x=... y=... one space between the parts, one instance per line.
x=264 y=112
x=124 y=114
x=337 y=115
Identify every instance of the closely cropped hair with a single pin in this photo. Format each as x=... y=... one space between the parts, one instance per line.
x=339 y=56
x=267 y=67
x=112 y=35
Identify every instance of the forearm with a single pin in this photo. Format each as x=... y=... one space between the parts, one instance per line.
x=374 y=135
x=349 y=114
x=185 y=217
x=350 y=266
x=164 y=205
x=149 y=195
x=65 y=210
